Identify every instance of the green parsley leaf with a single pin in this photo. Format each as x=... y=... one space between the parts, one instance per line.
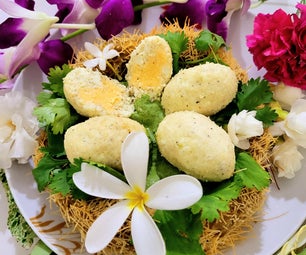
x=148 y=113
x=55 y=78
x=217 y=200
x=266 y=115
x=253 y=94
x=57 y=113
x=42 y=172
x=209 y=41
x=181 y=231
x=178 y=43
x=250 y=173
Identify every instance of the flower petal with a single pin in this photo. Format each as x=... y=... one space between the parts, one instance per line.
x=91 y=63
x=174 y=193
x=13 y=32
x=146 y=236
x=54 y=53
x=105 y=227
x=96 y=182
x=114 y=16
x=134 y=158
x=93 y=49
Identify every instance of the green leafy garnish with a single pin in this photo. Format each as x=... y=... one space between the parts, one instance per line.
x=178 y=43
x=253 y=94
x=148 y=113
x=257 y=95
x=53 y=109
x=57 y=113
x=266 y=115
x=217 y=200
x=55 y=78
x=181 y=231
x=209 y=41
x=250 y=173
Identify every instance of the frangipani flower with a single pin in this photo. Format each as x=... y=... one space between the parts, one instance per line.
x=294 y=126
x=243 y=126
x=18 y=128
x=101 y=57
x=171 y=193
x=287 y=158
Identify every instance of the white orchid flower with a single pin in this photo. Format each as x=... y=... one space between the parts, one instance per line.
x=101 y=57
x=287 y=158
x=18 y=128
x=286 y=95
x=243 y=126
x=171 y=193
x=294 y=126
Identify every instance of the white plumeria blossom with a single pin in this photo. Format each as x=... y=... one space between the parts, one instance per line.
x=243 y=126
x=101 y=57
x=18 y=128
x=287 y=158
x=294 y=126
x=172 y=193
x=286 y=95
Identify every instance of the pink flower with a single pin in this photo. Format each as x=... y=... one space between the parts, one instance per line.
x=278 y=45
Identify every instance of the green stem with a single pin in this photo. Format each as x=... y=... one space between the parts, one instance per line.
x=260 y=2
x=73 y=34
x=148 y=5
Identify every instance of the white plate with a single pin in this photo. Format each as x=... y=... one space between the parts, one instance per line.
x=285 y=209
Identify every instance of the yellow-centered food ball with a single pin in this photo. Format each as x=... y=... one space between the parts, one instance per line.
x=150 y=67
x=93 y=94
x=206 y=89
x=196 y=145
x=99 y=139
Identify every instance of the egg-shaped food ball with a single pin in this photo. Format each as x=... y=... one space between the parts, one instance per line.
x=150 y=67
x=93 y=94
x=196 y=145
x=206 y=89
x=99 y=139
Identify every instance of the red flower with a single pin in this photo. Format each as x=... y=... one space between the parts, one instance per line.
x=278 y=45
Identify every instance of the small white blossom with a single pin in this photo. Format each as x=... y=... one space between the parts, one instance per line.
x=294 y=126
x=171 y=193
x=286 y=95
x=18 y=128
x=243 y=126
x=287 y=158
x=101 y=57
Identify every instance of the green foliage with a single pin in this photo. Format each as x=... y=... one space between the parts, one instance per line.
x=250 y=173
x=178 y=43
x=148 y=113
x=16 y=223
x=217 y=200
x=53 y=109
x=209 y=41
x=181 y=231
x=266 y=115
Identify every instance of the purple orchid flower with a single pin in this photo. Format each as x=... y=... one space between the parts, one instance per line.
x=114 y=16
x=212 y=14
x=32 y=28
x=28 y=4
x=53 y=53
x=77 y=11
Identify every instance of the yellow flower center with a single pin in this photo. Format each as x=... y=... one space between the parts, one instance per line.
x=137 y=197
